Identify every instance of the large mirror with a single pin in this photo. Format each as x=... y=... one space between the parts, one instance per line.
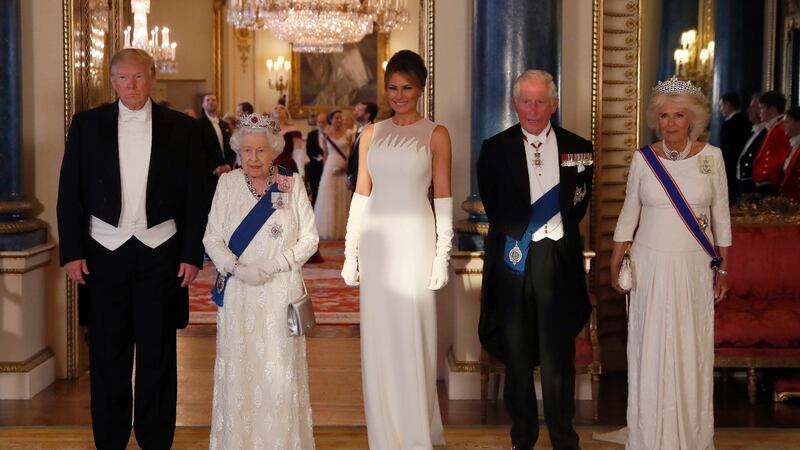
x=210 y=55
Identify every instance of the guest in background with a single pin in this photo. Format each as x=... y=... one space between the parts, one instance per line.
x=349 y=122
x=231 y=121
x=365 y=115
x=734 y=133
x=218 y=158
x=261 y=397
x=333 y=205
x=190 y=112
x=744 y=163
x=293 y=141
x=315 y=155
x=244 y=109
x=775 y=148
x=790 y=170
x=671 y=322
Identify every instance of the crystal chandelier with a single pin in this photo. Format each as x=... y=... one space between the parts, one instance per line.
x=318 y=26
x=162 y=51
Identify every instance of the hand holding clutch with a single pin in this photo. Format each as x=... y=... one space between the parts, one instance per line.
x=625 y=279
x=250 y=276
x=353 y=236
x=443 y=207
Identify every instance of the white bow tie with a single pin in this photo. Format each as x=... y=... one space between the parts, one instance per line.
x=126 y=115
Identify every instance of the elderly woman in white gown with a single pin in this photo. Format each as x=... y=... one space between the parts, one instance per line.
x=261 y=395
x=675 y=282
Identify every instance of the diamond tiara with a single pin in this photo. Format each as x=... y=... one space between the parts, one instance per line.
x=256 y=120
x=678 y=87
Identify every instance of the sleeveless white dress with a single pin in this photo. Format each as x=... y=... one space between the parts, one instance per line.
x=671 y=322
x=333 y=203
x=398 y=312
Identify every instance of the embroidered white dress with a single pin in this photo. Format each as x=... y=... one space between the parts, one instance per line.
x=333 y=202
x=261 y=398
x=398 y=312
x=671 y=320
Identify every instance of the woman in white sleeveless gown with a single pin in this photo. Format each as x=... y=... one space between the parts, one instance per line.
x=671 y=321
x=333 y=204
x=402 y=253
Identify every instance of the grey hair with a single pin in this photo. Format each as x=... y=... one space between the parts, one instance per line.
x=132 y=56
x=274 y=140
x=535 y=74
x=696 y=105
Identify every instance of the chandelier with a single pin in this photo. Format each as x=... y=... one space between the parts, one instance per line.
x=158 y=46
x=318 y=26
x=693 y=62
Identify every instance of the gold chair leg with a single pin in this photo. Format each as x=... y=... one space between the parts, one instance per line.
x=751 y=385
x=595 y=396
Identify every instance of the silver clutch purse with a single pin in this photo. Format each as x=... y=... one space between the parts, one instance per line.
x=300 y=314
x=626 y=274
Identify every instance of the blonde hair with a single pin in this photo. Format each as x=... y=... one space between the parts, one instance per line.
x=274 y=140
x=696 y=105
x=132 y=56
x=535 y=74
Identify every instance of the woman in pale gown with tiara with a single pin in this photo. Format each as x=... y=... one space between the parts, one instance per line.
x=674 y=288
x=398 y=247
x=333 y=204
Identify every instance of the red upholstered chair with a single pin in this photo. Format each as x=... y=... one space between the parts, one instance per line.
x=757 y=325
x=587 y=357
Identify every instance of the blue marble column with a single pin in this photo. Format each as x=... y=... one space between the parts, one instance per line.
x=739 y=49
x=16 y=231
x=508 y=37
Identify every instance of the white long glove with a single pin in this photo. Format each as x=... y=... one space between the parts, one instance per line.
x=443 y=207
x=350 y=267
x=250 y=275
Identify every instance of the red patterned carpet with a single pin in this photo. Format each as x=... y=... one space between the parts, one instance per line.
x=334 y=302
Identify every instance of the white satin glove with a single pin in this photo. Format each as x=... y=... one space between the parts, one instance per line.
x=270 y=266
x=443 y=207
x=250 y=275
x=350 y=266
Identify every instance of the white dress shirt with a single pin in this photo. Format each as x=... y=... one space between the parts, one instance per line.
x=542 y=178
x=756 y=130
x=135 y=134
x=215 y=123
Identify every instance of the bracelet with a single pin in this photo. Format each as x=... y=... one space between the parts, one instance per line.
x=722 y=272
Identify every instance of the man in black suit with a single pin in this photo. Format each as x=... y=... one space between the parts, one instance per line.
x=747 y=155
x=218 y=157
x=130 y=225
x=365 y=115
x=315 y=162
x=535 y=181
x=734 y=133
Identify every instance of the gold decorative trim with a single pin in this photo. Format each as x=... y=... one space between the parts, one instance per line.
x=25 y=270
x=217 y=46
x=68 y=64
x=462 y=366
x=427 y=12
x=22 y=226
x=27 y=365
x=783 y=396
x=768 y=63
x=15 y=206
x=467 y=227
x=243 y=44
x=756 y=362
x=758 y=209
x=72 y=329
x=468 y=271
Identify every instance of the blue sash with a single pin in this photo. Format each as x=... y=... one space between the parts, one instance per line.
x=680 y=204
x=516 y=250
x=241 y=238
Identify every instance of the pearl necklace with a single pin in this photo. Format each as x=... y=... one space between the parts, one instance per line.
x=673 y=154
x=270 y=181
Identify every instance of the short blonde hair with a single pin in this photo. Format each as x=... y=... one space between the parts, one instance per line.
x=274 y=140
x=696 y=105
x=535 y=74
x=133 y=56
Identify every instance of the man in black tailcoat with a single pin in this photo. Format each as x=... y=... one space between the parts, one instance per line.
x=130 y=222
x=535 y=181
x=734 y=133
x=217 y=155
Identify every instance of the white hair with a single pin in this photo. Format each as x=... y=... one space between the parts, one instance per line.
x=535 y=74
x=274 y=140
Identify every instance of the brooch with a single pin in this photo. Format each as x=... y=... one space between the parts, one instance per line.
x=705 y=164
x=285 y=183
x=579 y=160
x=580 y=194
x=279 y=200
x=703 y=220
x=275 y=230
x=515 y=254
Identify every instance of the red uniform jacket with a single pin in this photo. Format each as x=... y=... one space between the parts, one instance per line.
x=769 y=160
x=790 y=184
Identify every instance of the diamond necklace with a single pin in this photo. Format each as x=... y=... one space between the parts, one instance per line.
x=674 y=155
x=270 y=181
